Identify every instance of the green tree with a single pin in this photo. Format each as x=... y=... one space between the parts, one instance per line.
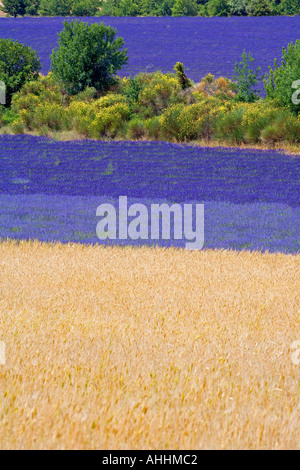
x=281 y=83
x=290 y=7
x=87 y=56
x=14 y=7
x=218 y=8
x=85 y=7
x=110 y=8
x=129 y=8
x=56 y=7
x=238 y=7
x=18 y=64
x=259 y=8
x=246 y=78
x=184 y=8
x=184 y=81
x=156 y=7
x=32 y=7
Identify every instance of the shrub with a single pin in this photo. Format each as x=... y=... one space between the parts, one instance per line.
x=37 y=92
x=131 y=88
x=285 y=127
x=228 y=124
x=282 y=79
x=14 y=7
x=18 y=64
x=30 y=100
x=259 y=8
x=190 y=122
x=184 y=8
x=108 y=120
x=7 y=117
x=153 y=127
x=56 y=7
x=158 y=91
x=210 y=86
x=171 y=123
x=136 y=129
x=184 y=81
x=50 y=115
x=256 y=117
x=81 y=116
x=246 y=79
x=87 y=56
x=218 y=8
x=85 y=7
x=86 y=95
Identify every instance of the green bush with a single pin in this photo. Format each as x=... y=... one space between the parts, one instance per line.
x=51 y=115
x=56 y=7
x=284 y=79
x=158 y=92
x=184 y=8
x=284 y=128
x=190 y=122
x=7 y=116
x=14 y=7
x=86 y=95
x=85 y=7
x=184 y=81
x=37 y=92
x=153 y=127
x=258 y=116
x=218 y=8
x=18 y=64
x=87 y=55
x=246 y=79
x=136 y=129
x=228 y=125
x=108 y=121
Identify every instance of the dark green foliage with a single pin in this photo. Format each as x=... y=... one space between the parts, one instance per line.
x=87 y=56
x=14 y=7
x=259 y=8
x=184 y=8
x=219 y=8
x=85 y=7
x=32 y=8
x=56 y=7
x=132 y=90
x=246 y=79
x=184 y=81
x=289 y=7
x=18 y=64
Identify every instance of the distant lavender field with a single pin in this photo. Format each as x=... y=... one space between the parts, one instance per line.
x=50 y=190
x=203 y=44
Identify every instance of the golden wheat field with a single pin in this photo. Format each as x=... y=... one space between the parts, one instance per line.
x=143 y=348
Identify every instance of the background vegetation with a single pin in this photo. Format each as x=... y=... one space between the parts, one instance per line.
x=151 y=7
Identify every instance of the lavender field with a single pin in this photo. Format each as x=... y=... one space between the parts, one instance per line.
x=50 y=190
x=203 y=44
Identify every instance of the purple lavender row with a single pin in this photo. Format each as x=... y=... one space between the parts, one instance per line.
x=260 y=227
x=203 y=44
x=30 y=165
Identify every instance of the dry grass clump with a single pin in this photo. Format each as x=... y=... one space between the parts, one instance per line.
x=142 y=348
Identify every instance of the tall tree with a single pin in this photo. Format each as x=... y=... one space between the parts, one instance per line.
x=87 y=55
x=14 y=7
